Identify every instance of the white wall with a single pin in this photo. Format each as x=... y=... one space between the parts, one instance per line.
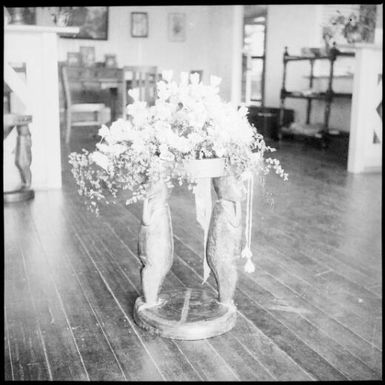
x=207 y=46
x=225 y=48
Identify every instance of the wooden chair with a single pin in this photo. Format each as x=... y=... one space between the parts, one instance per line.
x=141 y=78
x=79 y=86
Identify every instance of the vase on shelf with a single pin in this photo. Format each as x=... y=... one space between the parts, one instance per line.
x=60 y=15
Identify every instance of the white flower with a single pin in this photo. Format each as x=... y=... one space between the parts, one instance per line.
x=167 y=75
x=163 y=91
x=184 y=78
x=139 y=113
x=105 y=148
x=117 y=149
x=167 y=155
x=134 y=93
x=219 y=150
x=215 y=81
x=100 y=159
x=103 y=131
x=163 y=147
x=120 y=130
x=194 y=78
x=243 y=111
x=139 y=146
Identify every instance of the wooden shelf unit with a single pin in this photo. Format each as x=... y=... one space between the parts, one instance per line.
x=328 y=95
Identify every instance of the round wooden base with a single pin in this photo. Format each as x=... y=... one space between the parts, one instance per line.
x=18 y=196
x=193 y=314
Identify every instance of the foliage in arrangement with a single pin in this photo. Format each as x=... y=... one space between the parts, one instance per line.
x=188 y=121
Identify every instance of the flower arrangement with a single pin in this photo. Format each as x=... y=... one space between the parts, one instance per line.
x=188 y=121
x=353 y=28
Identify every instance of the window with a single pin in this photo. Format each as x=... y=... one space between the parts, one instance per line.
x=253 y=57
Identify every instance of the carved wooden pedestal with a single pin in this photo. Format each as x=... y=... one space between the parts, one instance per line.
x=191 y=314
x=22 y=158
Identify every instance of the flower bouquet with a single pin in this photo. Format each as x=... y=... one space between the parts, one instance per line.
x=188 y=122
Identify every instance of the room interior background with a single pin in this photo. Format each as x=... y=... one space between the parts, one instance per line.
x=213 y=43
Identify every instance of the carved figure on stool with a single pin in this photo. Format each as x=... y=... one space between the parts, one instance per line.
x=225 y=235
x=156 y=245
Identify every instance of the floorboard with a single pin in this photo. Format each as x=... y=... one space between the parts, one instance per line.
x=27 y=351
x=312 y=310
x=286 y=370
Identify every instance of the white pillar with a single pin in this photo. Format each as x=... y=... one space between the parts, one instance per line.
x=36 y=46
x=236 y=78
x=365 y=154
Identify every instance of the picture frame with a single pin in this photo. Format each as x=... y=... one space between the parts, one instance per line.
x=74 y=59
x=87 y=56
x=176 y=27
x=110 y=61
x=139 y=24
x=92 y=21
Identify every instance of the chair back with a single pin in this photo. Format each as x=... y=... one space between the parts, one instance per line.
x=80 y=85
x=141 y=78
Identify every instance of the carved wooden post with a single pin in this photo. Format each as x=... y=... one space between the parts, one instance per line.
x=156 y=246
x=225 y=235
x=193 y=313
x=23 y=156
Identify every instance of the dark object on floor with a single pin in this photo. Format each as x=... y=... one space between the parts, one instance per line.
x=266 y=120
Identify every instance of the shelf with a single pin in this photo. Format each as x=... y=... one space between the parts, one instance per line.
x=312 y=130
x=301 y=58
x=313 y=57
x=328 y=95
x=41 y=29
x=344 y=76
x=318 y=95
x=347 y=95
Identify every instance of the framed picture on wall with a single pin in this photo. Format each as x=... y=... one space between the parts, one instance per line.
x=92 y=21
x=73 y=58
x=139 y=24
x=176 y=27
x=87 y=56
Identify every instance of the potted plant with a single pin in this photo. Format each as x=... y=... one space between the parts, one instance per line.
x=189 y=136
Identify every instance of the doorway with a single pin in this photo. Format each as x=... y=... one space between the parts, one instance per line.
x=253 y=54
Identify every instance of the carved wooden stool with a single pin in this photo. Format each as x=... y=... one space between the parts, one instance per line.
x=194 y=313
x=20 y=190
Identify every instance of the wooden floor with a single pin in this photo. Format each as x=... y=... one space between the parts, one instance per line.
x=312 y=310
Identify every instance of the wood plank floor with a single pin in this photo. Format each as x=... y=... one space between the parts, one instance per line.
x=312 y=310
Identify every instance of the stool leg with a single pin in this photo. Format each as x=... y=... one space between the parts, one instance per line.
x=156 y=247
